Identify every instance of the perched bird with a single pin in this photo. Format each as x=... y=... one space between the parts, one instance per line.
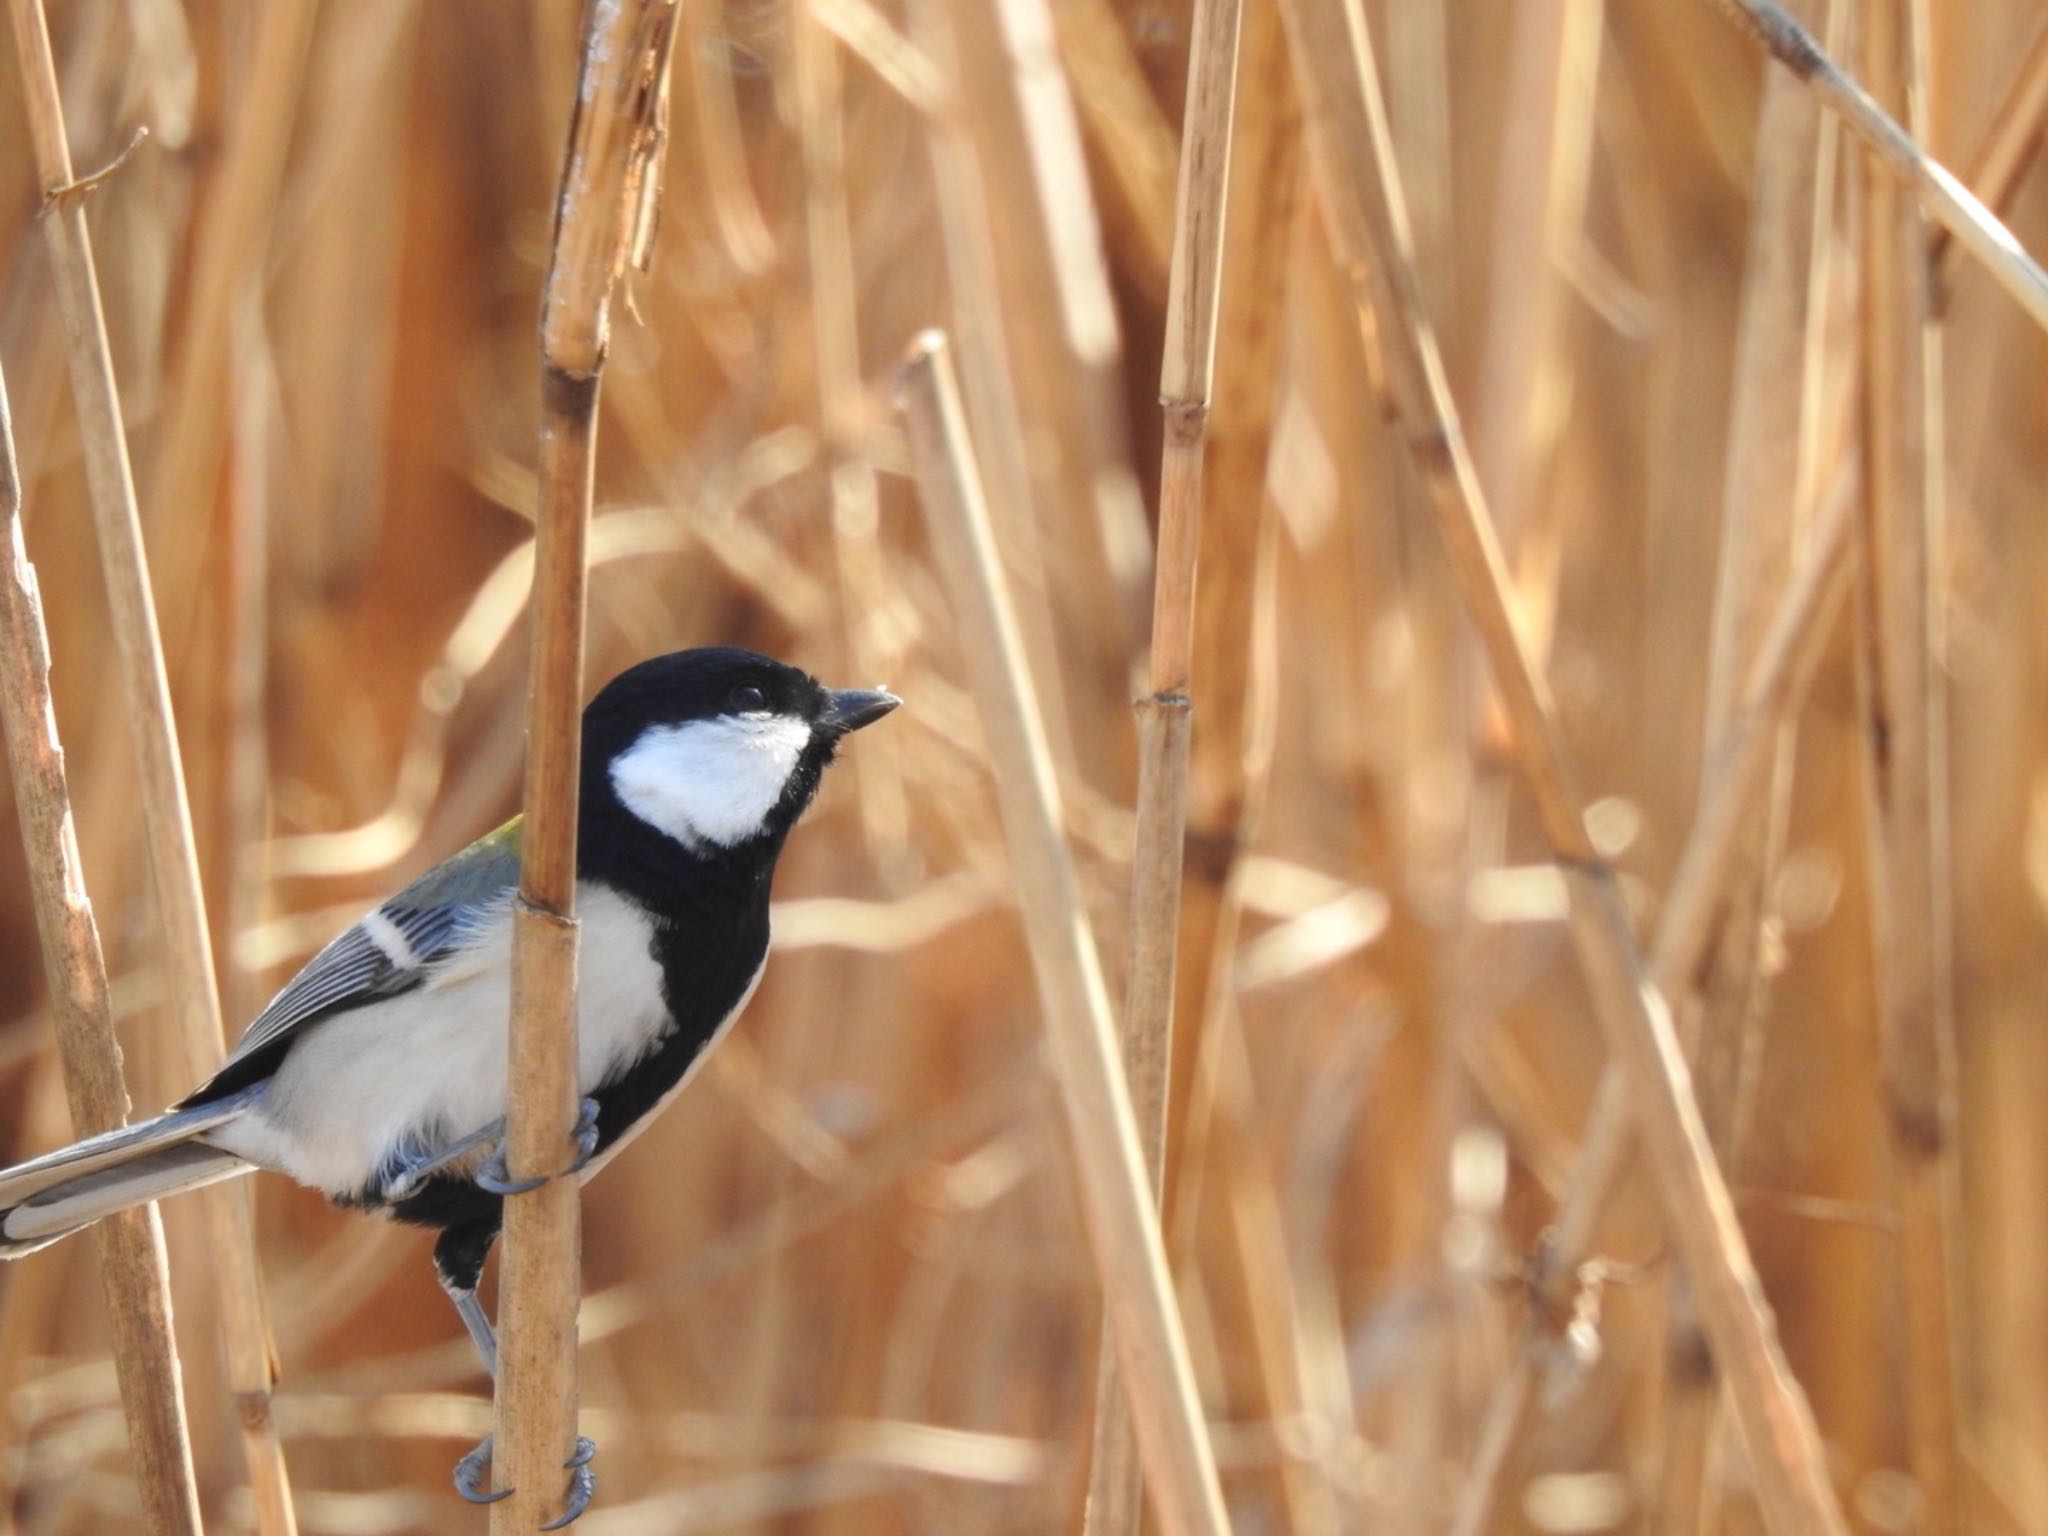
x=378 y=1075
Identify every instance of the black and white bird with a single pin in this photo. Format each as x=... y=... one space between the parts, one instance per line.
x=378 y=1074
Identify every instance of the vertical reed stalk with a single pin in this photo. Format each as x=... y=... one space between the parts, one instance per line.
x=1122 y=1220
x=609 y=197
x=1361 y=187
x=1165 y=715
x=1908 y=752
x=1223 y=782
x=133 y=1269
x=173 y=858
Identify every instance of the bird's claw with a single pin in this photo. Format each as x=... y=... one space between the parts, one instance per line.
x=495 y=1177
x=469 y=1474
x=582 y=1480
x=582 y=1483
x=584 y=1135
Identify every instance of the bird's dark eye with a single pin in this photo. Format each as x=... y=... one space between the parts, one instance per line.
x=747 y=698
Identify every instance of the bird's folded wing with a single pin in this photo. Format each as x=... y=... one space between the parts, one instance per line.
x=390 y=950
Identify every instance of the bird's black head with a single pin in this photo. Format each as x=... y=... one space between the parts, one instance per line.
x=715 y=749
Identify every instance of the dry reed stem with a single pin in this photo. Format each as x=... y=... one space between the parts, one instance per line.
x=1102 y=1132
x=172 y=855
x=1236 y=553
x=1907 y=744
x=605 y=217
x=1956 y=207
x=2009 y=147
x=1165 y=718
x=134 y=1270
x=1362 y=193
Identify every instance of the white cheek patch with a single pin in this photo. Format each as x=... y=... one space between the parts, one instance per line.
x=710 y=781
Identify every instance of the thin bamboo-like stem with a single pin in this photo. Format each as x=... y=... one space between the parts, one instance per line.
x=145 y=687
x=1165 y=716
x=1222 y=782
x=1122 y=1221
x=133 y=1269
x=2009 y=147
x=1361 y=188
x=1953 y=204
x=605 y=217
x=1908 y=750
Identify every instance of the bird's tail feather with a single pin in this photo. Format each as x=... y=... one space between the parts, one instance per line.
x=56 y=1194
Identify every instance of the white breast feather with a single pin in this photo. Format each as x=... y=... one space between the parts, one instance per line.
x=710 y=781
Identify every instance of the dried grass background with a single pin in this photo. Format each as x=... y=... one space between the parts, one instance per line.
x=842 y=1287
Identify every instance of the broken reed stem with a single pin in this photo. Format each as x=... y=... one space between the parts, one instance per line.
x=605 y=218
x=1102 y=1131
x=1165 y=718
x=134 y=1269
x=173 y=857
x=1954 y=205
x=1738 y=765
x=1360 y=184
x=1908 y=749
x=2009 y=147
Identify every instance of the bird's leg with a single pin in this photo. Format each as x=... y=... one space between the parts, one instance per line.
x=458 y=1265
x=494 y=1176
x=411 y=1172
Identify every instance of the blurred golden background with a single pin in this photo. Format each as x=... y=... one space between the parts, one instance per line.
x=843 y=1287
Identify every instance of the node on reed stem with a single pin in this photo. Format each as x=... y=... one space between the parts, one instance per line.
x=605 y=218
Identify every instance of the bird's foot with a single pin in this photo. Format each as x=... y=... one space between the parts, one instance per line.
x=495 y=1177
x=409 y=1171
x=582 y=1484
x=469 y=1475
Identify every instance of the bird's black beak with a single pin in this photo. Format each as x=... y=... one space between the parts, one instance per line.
x=852 y=708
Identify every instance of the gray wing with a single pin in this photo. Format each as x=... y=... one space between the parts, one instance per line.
x=388 y=951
